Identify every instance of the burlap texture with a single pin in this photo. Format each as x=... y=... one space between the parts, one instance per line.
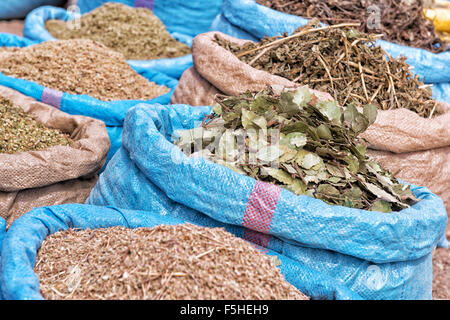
x=15 y=204
x=194 y=90
x=216 y=70
x=402 y=130
x=56 y=175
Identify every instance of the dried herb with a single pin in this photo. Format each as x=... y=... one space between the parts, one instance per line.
x=80 y=67
x=20 y=132
x=343 y=62
x=402 y=22
x=135 y=32
x=301 y=143
x=164 y=262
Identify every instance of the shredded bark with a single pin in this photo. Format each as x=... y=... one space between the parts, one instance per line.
x=402 y=22
x=165 y=262
x=20 y=132
x=135 y=32
x=80 y=67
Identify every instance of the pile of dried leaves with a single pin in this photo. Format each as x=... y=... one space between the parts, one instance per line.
x=341 y=61
x=305 y=145
x=402 y=22
x=135 y=32
x=164 y=262
x=19 y=132
x=80 y=67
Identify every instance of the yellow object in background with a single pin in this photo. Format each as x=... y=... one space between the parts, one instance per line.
x=444 y=36
x=440 y=18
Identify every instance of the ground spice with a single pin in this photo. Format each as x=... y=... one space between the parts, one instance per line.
x=441 y=274
x=80 y=67
x=164 y=262
x=343 y=62
x=401 y=22
x=9 y=49
x=135 y=32
x=20 y=132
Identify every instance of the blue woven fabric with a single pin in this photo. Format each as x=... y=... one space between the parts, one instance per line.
x=186 y=17
x=359 y=248
x=2 y=232
x=11 y=40
x=19 y=282
x=34 y=29
x=18 y=9
x=111 y=112
x=249 y=20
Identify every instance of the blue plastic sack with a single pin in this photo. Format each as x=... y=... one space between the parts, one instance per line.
x=378 y=256
x=258 y=21
x=34 y=29
x=19 y=282
x=11 y=40
x=2 y=232
x=186 y=17
x=110 y=112
x=18 y=9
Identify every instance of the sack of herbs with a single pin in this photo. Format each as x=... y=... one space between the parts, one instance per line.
x=47 y=156
x=288 y=171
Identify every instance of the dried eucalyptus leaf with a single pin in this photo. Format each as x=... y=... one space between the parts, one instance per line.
x=315 y=153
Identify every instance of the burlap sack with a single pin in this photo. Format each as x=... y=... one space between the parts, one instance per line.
x=194 y=90
x=402 y=130
x=414 y=147
x=216 y=70
x=56 y=175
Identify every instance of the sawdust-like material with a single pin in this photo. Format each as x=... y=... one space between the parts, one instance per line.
x=80 y=67
x=137 y=33
x=164 y=262
x=441 y=274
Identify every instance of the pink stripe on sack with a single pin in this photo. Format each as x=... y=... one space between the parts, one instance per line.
x=52 y=97
x=257 y=239
x=260 y=209
x=149 y=4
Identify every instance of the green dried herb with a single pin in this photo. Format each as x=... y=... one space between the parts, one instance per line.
x=135 y=32
x=305 y=145
x=343 y=62
x=20 y=132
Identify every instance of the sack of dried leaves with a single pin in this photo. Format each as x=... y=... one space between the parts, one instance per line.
x=414 y=147
x=89 y=252
x=250 y=20
x=109 y=86
x=135 y=32
x=47 y=156
x=341 y=242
